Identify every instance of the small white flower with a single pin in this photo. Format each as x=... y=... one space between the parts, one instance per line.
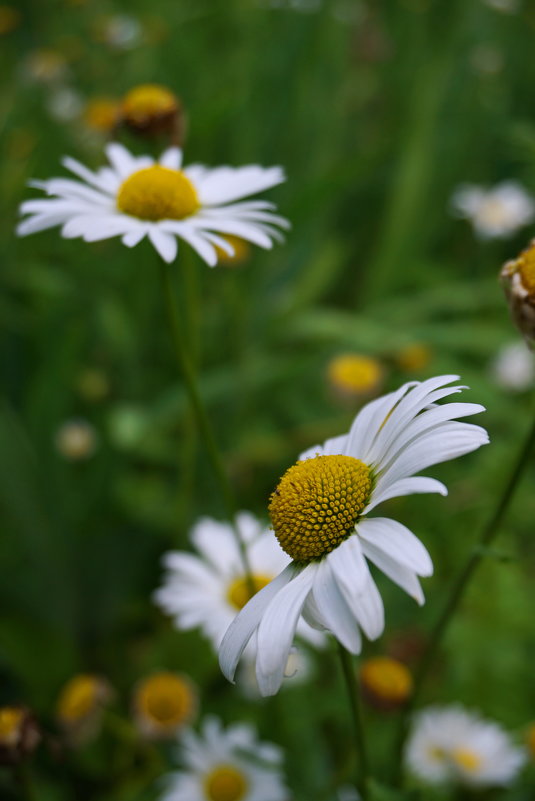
x=134 y=198
x=226 y=764
x=494 y=213
x=76 y=440
x=122 y=32
x=505 y=6
x=514 y=367
x=450 y=744
x=206 y=591
x=64 y=104
x=320 y=513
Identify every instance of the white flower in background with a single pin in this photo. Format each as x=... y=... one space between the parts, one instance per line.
x=64 y=104
x=206 y=591
x=135 y=198
x=226 y=765
x=494 y=213
x=319 y=513
x=122 y=31
x=452 y=745
x=514 y=367
x=505 y=6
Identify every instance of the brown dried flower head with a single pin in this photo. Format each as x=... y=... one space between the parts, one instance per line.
x=518 y=280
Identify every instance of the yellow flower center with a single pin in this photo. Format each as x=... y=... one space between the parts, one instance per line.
x=79 y=698
x=526 y=268
x=239 y=592
x=466 y=759
x=355 y=374
x=11 y=719
x=317 y=503
x=147 y=101
x=165 y=700
x=158 y=193
x=226 y=783
x=386 y=678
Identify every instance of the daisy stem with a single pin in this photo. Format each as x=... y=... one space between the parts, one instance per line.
x=350 y=677
x=488 y=534
x=190 y=380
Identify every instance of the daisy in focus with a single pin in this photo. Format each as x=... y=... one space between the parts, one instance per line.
x=135 y=197
x=494 y=213
x=207 y=591
x=451 y=745
x=226 y=765
x=319 y=513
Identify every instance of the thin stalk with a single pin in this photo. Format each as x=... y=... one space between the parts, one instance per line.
x=190 y=380
x=350 y=677
x=488 y=534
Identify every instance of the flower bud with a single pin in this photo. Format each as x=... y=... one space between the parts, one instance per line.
x=80 y=704
x=518 y=280
x=150 y=110
x=386 y=683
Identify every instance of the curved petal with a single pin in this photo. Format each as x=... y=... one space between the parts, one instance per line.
x=165 y=244
x=171 y=158
x=242 y=627
x=334 y=610
x=225 y=184
x=397 y=542
x=405 y=486
x=276 y=630
x=357 y=586
x=402 y=576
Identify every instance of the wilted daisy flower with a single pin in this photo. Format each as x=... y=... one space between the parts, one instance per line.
x=76 y=440
x=135 y=198
x=355 y=375
x=226 y=765
x=518 y=280
x=206 y=591
x=514 y=367
x=150 y=109
x=320 y=516
x=19 y=734
x=386 y=682
x=452 y=745
x=80 y=704
x=494 y=213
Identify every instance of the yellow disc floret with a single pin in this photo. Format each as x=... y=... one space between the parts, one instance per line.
x=147 y=101
x=317 y=503
x=466 y=759
x=226 y=783
x=158 y=193
x=239 y=592
x=164 y=701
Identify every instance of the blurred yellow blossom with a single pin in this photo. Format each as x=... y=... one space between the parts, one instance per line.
x=80 y=704
x=9 y=19
x=242 y=252
x=414 y=357
x=151 y=109
x=386 y=682
x=19 y=733
x=354 y=375
x=163 y=703
x=101 y=114
x=45 y=66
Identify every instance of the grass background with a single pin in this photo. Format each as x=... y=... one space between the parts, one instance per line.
x=377 y=112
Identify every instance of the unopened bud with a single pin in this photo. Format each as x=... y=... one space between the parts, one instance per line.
x=518 y=279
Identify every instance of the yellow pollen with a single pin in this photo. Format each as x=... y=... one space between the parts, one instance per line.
x=165 y=700
x=226 y=783
x=79 y=698
x=466 y=759
x=317 y=503
x=11 y=718
x=354 y=374
x=158 y=193
x=143 y=103
x=386 y=678
x=239 y=592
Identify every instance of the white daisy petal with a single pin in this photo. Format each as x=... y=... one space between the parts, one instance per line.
x=405 y=486
x=226 y=184
x=397 y=542
x=171 y=158
x=276 y=630
x=400 y=575
x=334 y=611
x=165 y=244
x=245 y=623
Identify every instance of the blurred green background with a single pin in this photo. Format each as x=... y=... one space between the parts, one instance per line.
x=377 y=112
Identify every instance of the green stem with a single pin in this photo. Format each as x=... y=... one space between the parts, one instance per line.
x=23 y=782
x=350 y=677
x=199 y=411
x=488 y=534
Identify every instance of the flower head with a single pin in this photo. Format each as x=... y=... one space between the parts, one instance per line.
x=320 y=514
x=163 y=703
x=206 y=591
x=494 y=213
x=518 y=280
x=354 y=375
x=19 y=734
x=80 y=704
x=134 y=198
x=452 y=745
x=226 y=765
x=150 y=109
x=386 y=682
x=513 y=367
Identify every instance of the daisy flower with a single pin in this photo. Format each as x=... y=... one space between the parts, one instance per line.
x=320 y=515
x=450 y=744
x=206 y=591
x=134 y=198
x=494 y=213
x=220 y=765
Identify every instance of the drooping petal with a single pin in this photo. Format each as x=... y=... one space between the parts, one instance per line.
x=333 y=608
x=402 y=576
x=405 y=486
x=398 y=542
x=165 y=244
